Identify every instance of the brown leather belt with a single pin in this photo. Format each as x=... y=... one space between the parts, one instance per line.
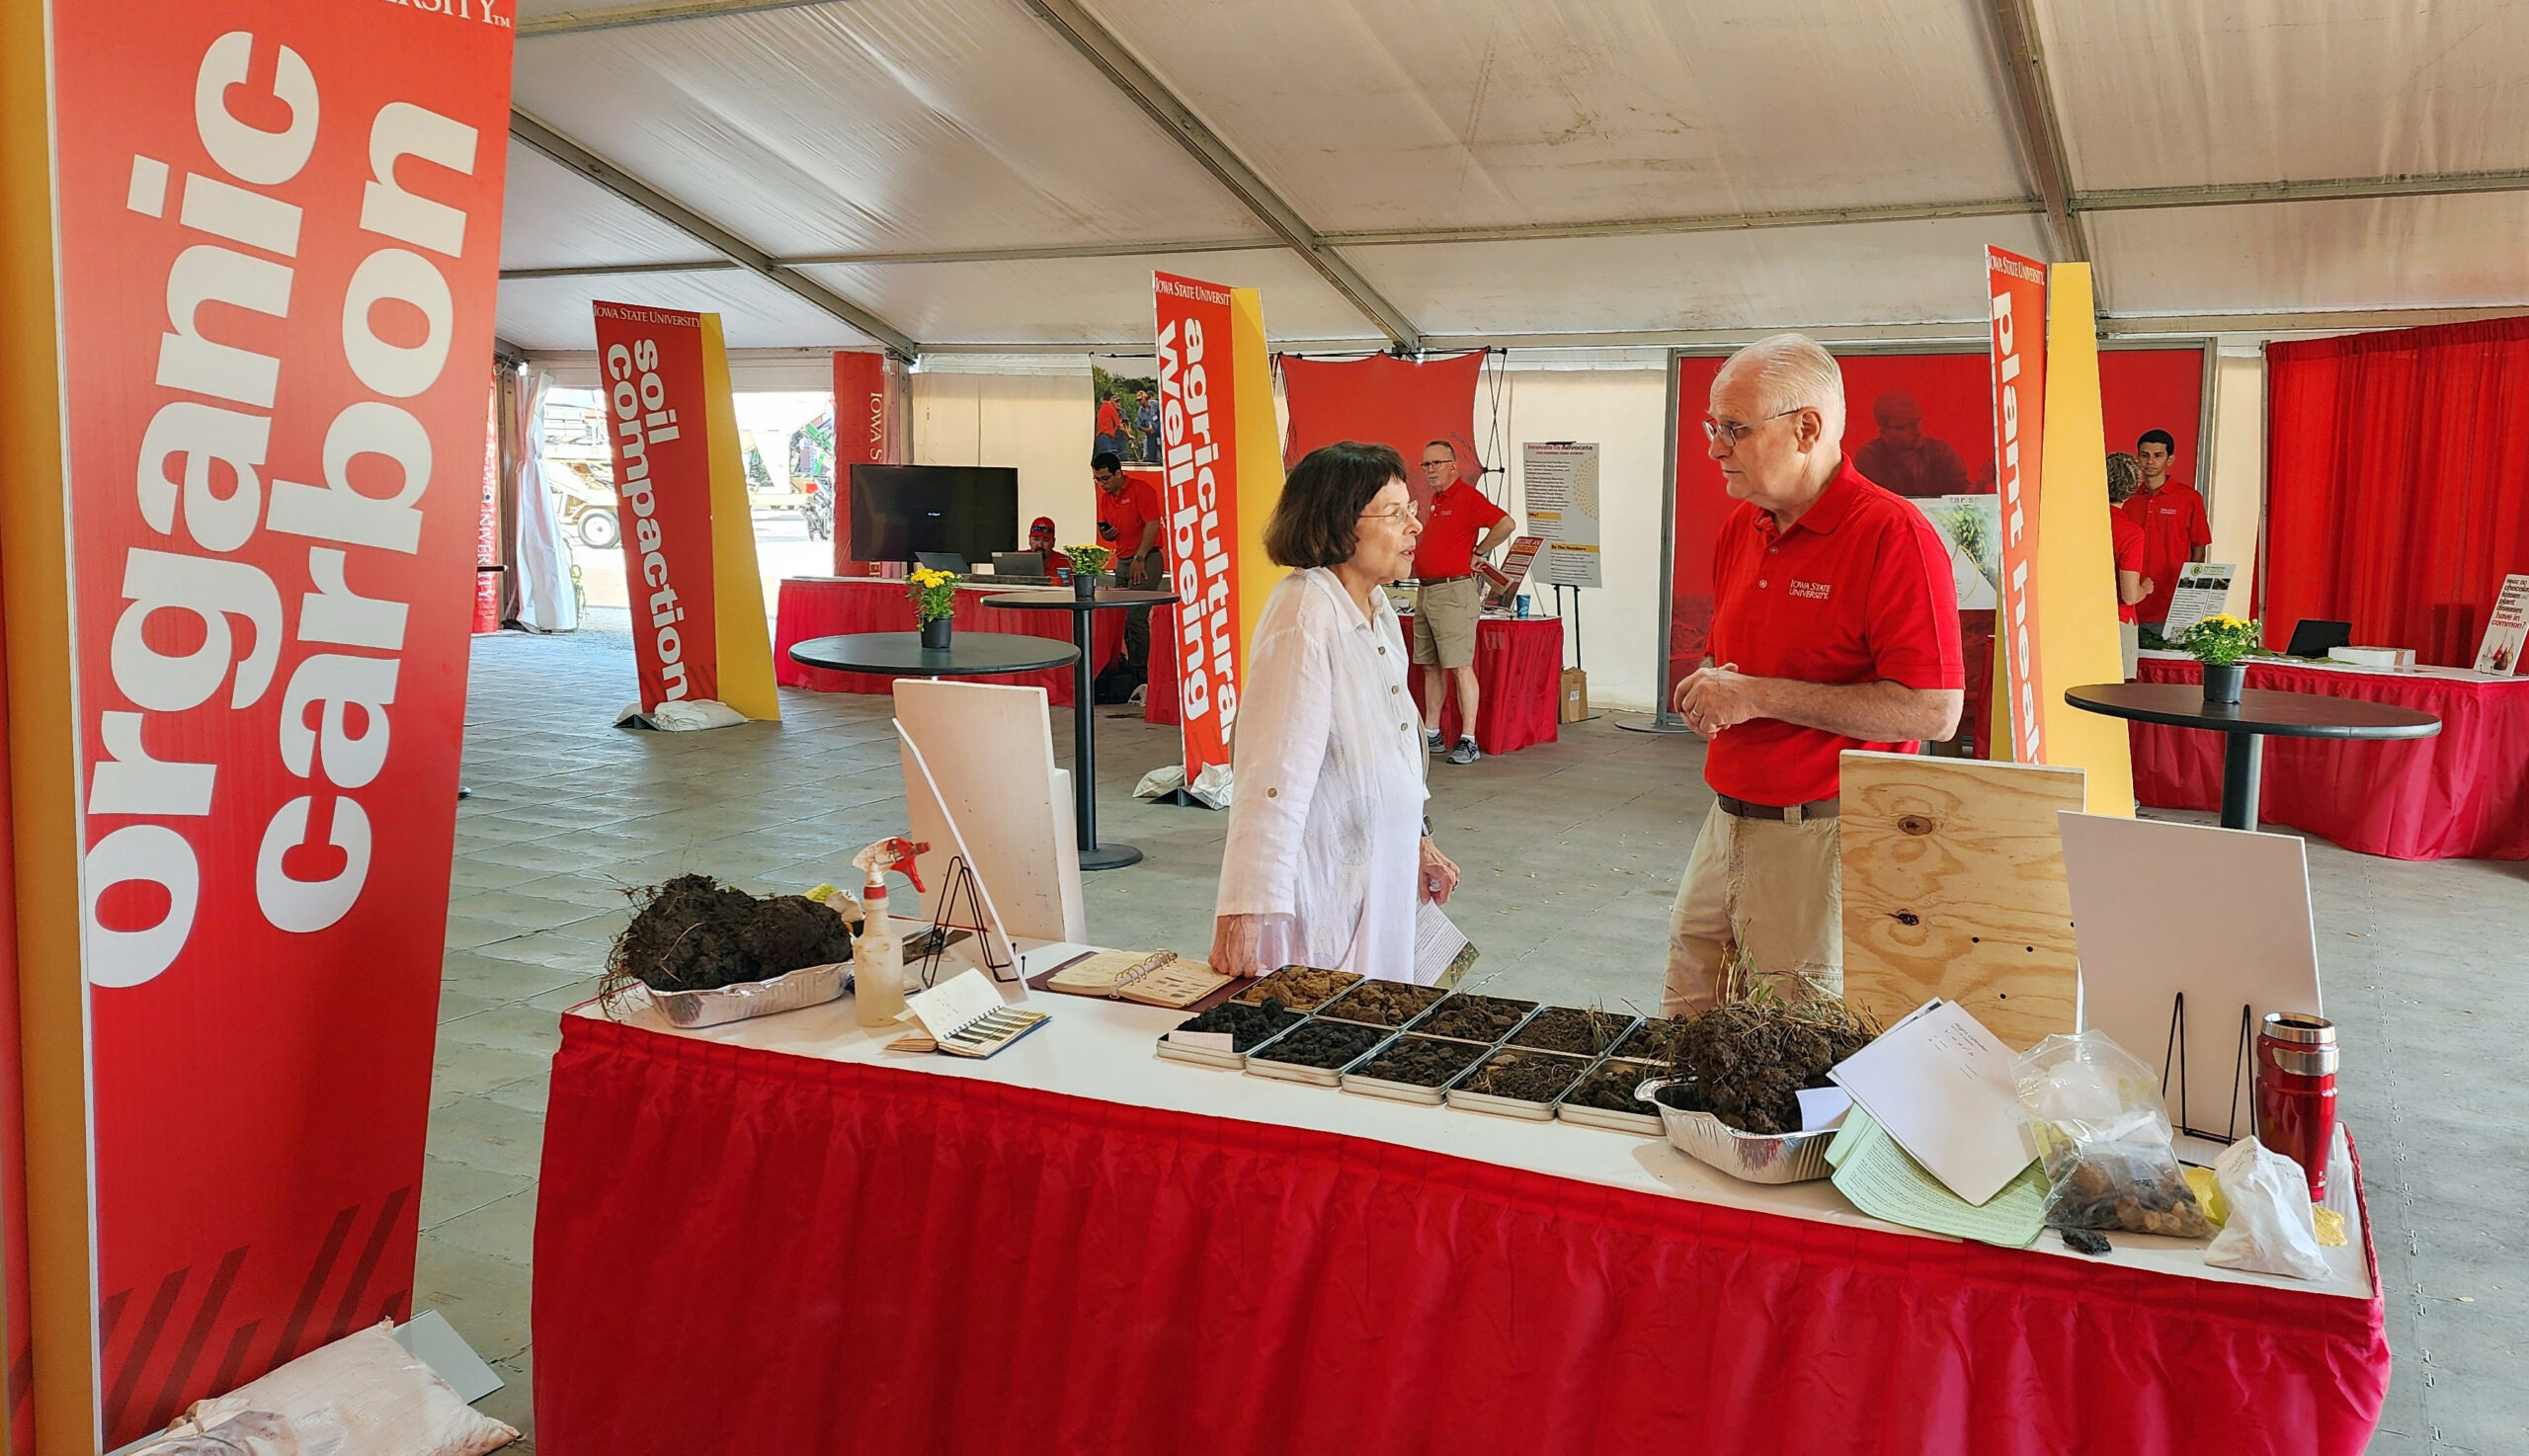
x=1442 y=581
x=1795 y=813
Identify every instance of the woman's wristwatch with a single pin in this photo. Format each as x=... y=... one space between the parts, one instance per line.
x=1427 y=825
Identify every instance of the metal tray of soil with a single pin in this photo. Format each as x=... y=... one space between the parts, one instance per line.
x=1248 y=1028
x=1316 y=1052
x=1604 y=1097
x=1518 y=1082
x=1466 y=1016
x=745 y=999
x=1755 y=1158
x=1389 y=1004
x=1650 y=1040
x=1301 y=988
x=1415 y=1069
x=1575 y=1030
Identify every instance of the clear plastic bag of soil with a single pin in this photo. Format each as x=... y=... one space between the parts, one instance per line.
x=2105 y=1138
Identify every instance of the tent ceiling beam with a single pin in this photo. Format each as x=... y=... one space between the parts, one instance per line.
x=615 y=18
x=746 y=255
x=2320 y=189
x=1708 y=222
x=2031 y=101
x=1144 y=89
x=613 y=269
x=1049 y=252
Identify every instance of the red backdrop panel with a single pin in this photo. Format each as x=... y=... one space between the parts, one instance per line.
x=2140 y=389
x=2394 y=469
x=279 y=234
x=1385 y=400
x=862 y=435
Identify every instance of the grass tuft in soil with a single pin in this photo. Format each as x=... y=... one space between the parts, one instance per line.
x=1749 y=1059
x=1421 y=1061
x=1564 y=1029
x=692 y=932
x=1655 y=1039
x=1526 y=1077
x=1327 y=1044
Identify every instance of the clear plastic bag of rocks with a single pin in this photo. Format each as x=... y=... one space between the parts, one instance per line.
x=2103 y=1136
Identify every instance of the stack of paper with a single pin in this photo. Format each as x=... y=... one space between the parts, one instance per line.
x=1940 y=1085
x=1882 y=1181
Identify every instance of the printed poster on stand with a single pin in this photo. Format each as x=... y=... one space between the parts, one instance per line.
x=2507 y=629
x=2203 y=590
x=1560 y=489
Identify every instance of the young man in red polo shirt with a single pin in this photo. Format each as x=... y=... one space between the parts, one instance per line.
x=1834 y=627
x=1448 y=598
x=2175 y=529
x=1129 y=517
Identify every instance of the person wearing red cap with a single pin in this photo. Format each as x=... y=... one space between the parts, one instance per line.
x=1040 y=539
x=1834 y=627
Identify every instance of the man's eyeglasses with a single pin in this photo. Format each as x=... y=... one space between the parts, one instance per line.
x=1729 y=435
x=1439 y=464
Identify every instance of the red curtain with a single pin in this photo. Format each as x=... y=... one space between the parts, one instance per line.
x=2396 y=464
x=741 y=1250
x=1385 y=400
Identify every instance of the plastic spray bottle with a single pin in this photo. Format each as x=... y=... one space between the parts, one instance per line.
x=878 y=956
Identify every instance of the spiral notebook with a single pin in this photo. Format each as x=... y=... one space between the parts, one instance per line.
x=964 y=1017
x=1160 y=978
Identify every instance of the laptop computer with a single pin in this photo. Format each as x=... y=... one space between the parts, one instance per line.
x=1018 y=563
x=2312 y=638
x=942 y=561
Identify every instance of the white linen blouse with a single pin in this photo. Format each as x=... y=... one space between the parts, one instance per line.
x=1325 y=815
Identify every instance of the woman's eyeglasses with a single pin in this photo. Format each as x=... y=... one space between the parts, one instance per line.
x=1398 y=514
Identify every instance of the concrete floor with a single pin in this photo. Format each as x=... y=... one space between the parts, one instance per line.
x=1571 y=851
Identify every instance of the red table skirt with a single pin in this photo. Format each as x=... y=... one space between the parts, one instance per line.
x=830 y=607
x=2463 y=794
x=739 y=1250
x=1518 y=676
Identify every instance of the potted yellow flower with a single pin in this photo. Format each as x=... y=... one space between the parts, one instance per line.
x=934 y=605
x=1088 y=569
x=2219 y=642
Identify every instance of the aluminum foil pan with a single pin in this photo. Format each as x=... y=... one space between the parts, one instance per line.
x=1781 y=1158
x=788 y=991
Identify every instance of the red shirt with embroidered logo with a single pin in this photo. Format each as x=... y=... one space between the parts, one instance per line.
x=1859 y=590
x=2173 y=524
x=1458 y=518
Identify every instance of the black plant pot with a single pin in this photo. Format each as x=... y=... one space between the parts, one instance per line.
x=934 y=634
x=2222 y=684
x=1085 y=584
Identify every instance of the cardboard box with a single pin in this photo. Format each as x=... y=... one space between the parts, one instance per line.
x=1575 y=704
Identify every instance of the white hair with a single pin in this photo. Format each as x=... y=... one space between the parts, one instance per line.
x=1795 y=371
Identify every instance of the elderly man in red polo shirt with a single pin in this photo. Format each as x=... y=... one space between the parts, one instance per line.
x=1834 y=627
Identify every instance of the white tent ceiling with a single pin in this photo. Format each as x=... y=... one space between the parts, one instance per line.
x=979 y=174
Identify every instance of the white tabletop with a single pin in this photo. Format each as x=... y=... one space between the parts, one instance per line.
x=2465 y=677
x=1105 y=1050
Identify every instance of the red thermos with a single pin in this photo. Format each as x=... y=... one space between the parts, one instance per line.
x=2295 y=1091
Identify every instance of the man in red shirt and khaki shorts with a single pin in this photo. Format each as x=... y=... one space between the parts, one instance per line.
x=1460 y=524
x=1834 y=627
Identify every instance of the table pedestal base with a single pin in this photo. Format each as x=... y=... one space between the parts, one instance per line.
x=1110 y=856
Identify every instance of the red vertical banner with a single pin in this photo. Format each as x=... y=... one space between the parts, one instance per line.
x=487 y=533
x=650 y=366
x=2017 y=289
x=279 y=234
x=863 y=434
x=1200 y=425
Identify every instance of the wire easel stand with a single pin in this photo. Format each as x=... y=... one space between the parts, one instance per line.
x=958 y=888
x=2174 y=1061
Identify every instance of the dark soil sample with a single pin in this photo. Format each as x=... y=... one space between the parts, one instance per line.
x=1327 y=1044
x=1476 y=1017
x=1655 y=1039
x=1385 y=1003
x=1753 y=1057
x=1246 y=1025
x=686 y=937
x=2084 y=1241
x=1610 y=1088
x=1301 y=988
x=1528 y=1076
x=1684 y=1095
x=1421 y=1061
x=792 y=931
x=1564 y=1029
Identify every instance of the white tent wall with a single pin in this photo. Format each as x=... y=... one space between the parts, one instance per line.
x=1039 y=423
x=2235 y=464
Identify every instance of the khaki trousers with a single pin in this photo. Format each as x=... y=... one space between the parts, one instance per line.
x=1768 y=892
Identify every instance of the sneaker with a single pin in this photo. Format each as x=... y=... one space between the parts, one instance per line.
x=1466 y=752
x=1432 y=740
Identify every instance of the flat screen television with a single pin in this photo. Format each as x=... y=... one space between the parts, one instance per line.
x=968 y=511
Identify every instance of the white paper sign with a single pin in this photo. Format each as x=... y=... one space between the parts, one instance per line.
x=955 y=1004
x=1561 y=486
x=2203 y=590
x=2507 y=630
x=1210 y=1041
x=1941 y=1085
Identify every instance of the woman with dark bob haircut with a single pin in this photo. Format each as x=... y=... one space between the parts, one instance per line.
x=1327 y=857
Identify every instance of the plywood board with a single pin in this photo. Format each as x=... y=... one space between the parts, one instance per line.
x=1954 y=887
x=2220 y=915
x=991 y=751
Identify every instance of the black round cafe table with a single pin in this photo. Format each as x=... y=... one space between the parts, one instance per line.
x=2260 y=714
x=902 y=655
x=1084 y=737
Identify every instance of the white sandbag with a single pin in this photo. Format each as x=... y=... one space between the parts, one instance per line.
x=2271 y=1230
x=363 y=1395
